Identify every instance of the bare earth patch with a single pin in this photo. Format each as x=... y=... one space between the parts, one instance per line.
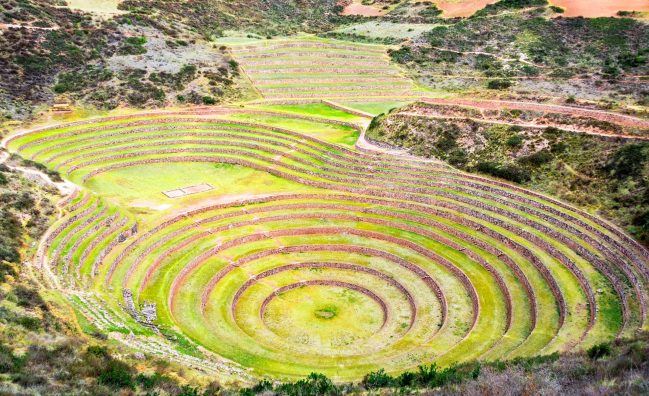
x=355 y=8
x=101 y=7
x=600 y=8
x=461 y=8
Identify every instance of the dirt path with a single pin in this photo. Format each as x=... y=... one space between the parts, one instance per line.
x=39 y=261
x=65 y=187
x=622 y=119
x=528 y=125
x=632 y=78
x=346 y=109
x=365 y=145
x=6 y=26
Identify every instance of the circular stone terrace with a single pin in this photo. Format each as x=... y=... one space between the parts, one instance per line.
x=290 y=249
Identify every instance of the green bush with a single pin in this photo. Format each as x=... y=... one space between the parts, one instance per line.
x=29 y=322
x=507 y=172
x=430 y=12
x=599 y=351
x=136 y=40
x=133 y=46
x=641 y=225
x=117 y=375
x=8 y=361
x=536 y=159
x=378 y=379
x=208 y=100
x=515 y=141
x=629 y=160
x=99 y=351
x=402 y=55
x=314 y=385
x=458 y=158
x=499 y=84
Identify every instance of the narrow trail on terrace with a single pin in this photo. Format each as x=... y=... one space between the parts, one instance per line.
x=632 y=78
x=526 y=125
x=65 y=187
x=602 y=115
x=7 y=26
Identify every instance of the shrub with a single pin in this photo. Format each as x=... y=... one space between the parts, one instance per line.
x=187 y=390
x=536 y=159
x=599 y=351
x=504 y=5
x=153 y=380
x=515 y=141
x=7 y=359
x=430 y=12
x=628 y=59
x=402 y=55
x=29 y=322
x=8 y=252
x=432 y=377
x=378 y=379
x=133 y=46
x=458 y=158
x=629 y=160
x=641 y=223
x=99 y=351
x=24 y=201
x=499 y=84
x=7 y=269
x=314 y=385
x=558 y=147
x=261 y=387
x=116 y=375
x=507 y=172
x=136 y=40
x=406 y=378
x=28 y=297
x=557 y=9
x=208 y=100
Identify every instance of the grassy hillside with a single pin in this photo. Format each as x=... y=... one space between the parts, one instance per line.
x=51 y=53
x=523 y=47
x=604 y=174
x=534 y=52
x=267 y=18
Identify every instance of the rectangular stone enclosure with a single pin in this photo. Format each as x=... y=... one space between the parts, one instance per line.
x=181 y=192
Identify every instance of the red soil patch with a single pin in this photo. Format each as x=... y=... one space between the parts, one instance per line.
x=461 y=8
x=600 y=8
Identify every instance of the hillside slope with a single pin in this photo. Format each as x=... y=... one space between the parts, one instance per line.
x=544 y=151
